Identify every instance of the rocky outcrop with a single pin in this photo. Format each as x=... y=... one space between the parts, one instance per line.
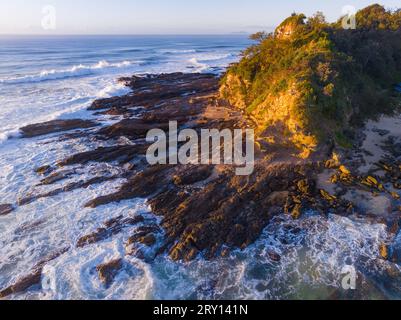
x=151 y=89
x=6 y=209
x=123 y=153
x=287 y=29
x=33 y=277
x=311 y=84
x=69 y=187
x=107 y=271
x=111 y=227
x=204 y=209
x=53 y=126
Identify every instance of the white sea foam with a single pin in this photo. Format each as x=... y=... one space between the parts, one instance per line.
x=198 y=65
x=113 y=90
x=205 y=62
x=75 y=71
x=70 y=109
x=8 y=134
x=214 y=56
x=75 y=107
x=313 y=252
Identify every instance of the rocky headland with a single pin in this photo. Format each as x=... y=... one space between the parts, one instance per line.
x=317 y=147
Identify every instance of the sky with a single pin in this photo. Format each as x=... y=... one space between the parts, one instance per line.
x=161 y=16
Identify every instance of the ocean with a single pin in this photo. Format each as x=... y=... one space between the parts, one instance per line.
x=45 y=78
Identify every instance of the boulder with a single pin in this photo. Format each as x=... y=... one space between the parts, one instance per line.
x=6 y=209
x=107 y=271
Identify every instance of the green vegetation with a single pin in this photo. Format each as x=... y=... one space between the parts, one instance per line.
x=316 y=80
x=376 y=17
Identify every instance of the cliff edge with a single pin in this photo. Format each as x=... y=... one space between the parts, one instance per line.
x=308 y=84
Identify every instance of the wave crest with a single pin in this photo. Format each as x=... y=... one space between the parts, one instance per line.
x=75 y=71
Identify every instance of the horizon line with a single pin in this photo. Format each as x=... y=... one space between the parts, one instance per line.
x=128 y=34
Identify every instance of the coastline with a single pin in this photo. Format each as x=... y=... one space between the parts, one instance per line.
x=207 y=210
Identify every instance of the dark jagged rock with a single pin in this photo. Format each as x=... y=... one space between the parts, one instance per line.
x=110 y=103
x=193 y=175
x=29 y=226
x=196 y=81
x=148 y=240
x=141 y=185
x=150 y=90
x=67 y=188
x=143 y=237
x=134 y=128
x=56 y=176
x=228 y=210
x=203 y=208
x=278 y=198
x=43 y=170
x=223 y=212
x=53 y=126
x=23 y=283
x=6 y=209
x=112 y=227
x=33 y=277
x=107 y=271
x=105 y=154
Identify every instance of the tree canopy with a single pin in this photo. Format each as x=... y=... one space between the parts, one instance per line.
x=312 y=80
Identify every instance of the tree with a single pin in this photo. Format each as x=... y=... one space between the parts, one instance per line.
x=259 y=36
x=318 y=19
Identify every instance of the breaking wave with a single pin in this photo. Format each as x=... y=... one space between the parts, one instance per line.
x=67 y=108
x=206 y=62
x=75 y=71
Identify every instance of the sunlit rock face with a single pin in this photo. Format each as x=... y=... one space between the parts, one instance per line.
x=311 y=83
x=288 y=27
